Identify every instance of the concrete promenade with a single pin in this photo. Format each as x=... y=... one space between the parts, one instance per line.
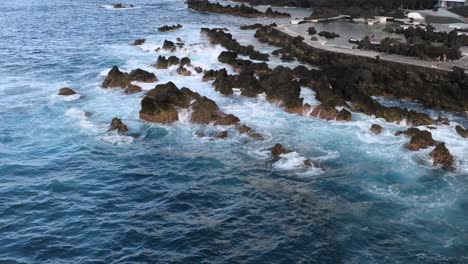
x=321 y=44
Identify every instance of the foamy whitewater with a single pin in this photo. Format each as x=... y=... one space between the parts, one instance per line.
x=72 y=192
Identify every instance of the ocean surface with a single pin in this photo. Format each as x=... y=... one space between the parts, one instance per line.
x=72 y=192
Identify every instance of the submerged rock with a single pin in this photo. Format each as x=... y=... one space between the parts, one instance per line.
x=118 y=125
x=222 y=135
x=442 y=157
x=65 y=91
x=376 y=129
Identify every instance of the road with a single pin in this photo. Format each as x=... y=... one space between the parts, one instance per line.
x=321 y=44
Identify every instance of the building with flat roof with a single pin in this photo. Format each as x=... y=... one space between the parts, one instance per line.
x=452 y=3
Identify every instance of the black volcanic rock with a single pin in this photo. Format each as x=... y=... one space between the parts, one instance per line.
x=226 y=40
x=461 y=131
x=65 y=91
x=238 y=10
x=166 y=28
x=118 y=125
x=442 y=157
x=139 y=42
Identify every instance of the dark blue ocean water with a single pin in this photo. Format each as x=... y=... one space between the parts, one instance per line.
x=71 y=192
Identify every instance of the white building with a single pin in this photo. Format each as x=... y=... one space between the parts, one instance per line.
x=452 y=3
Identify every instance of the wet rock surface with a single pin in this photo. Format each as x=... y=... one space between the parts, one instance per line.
x=462 y=131
x=167 y=28
x=164 y=63
x=65 y=91
x=217 y=36
x=139 y=42
x=162 y=103
x=420 y=139
x=376 y=129
x=358 y=77
x=118 y=125
x=441 y=157
x=118 y=79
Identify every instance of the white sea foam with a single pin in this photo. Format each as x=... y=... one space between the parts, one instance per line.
x=113 y=137
x=82 y=120
x=294 y=161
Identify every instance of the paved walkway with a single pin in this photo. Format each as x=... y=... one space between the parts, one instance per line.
x=321 y=44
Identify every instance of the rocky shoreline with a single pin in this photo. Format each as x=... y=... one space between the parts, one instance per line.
x=344 y=84
x=431 y=87
x=238 y=10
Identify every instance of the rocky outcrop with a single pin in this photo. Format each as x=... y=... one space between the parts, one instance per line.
x=222 y=135
x=206 y=111
x=420 y=139
x=117 y=79
x=217 y=36
x=118 y=125
x=325 y=112
x=344 y=116
x=441 y=157
x=65 y=91
x=132 y=89
x=139 y=42
x=162 y=103
x=243 y=129
x=376 y=129
x=169 y=45
x=140 y=75
x=183 y=71
x=238 y=10
x=185 y=61
x=461 y=131
x=163 y=63
x=119 y=6
x=279 y=150
x=166 y=28
x=256 y=26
